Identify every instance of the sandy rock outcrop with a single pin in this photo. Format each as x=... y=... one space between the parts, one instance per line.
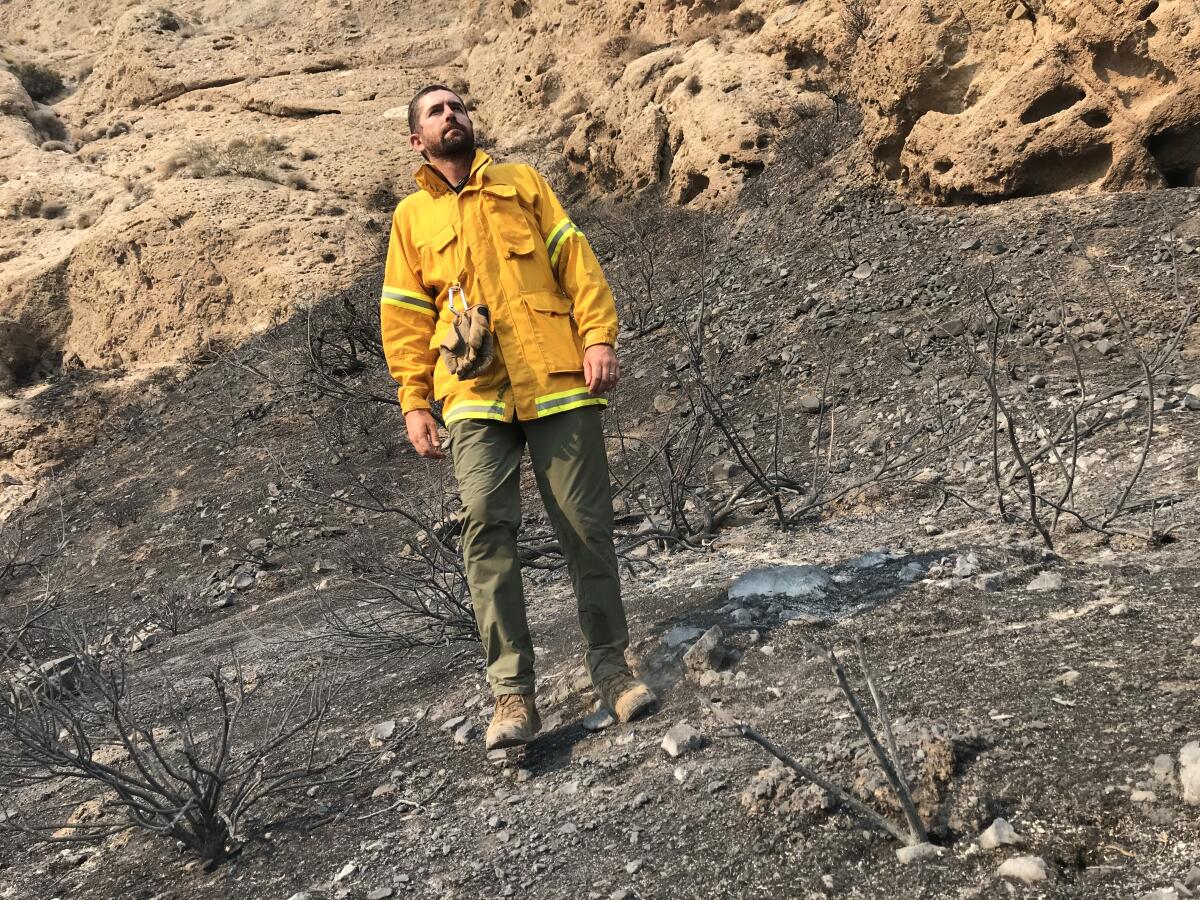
x=212 y=165
x=979 y=101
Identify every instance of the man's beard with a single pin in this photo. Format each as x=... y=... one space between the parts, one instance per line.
x=461 y=144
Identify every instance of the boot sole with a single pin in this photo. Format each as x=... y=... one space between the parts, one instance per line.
x=509 y=742
x=647 y=707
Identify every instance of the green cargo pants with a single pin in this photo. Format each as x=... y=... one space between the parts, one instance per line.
x=571 y=468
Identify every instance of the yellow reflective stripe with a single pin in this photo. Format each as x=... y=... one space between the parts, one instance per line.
x=409 y=300
x=575 y=390
x=566 y=400
x=475 y=411
x=567 y=232
x=593 y=401
x=555 y=231
x=405 y=304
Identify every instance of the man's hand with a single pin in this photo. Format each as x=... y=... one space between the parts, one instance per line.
x=601 y=370
x=423 y=434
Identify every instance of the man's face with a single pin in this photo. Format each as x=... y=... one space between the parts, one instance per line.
x=444 y=129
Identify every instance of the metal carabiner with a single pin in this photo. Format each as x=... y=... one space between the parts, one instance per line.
x=456 y=288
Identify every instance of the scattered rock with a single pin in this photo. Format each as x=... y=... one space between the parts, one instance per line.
x=999 y=834
x=708 y=652
x=380 y=893
x=1046 y=581
x=463 y=733
x=598 y=720
x=810 y=403
x=1189 y=773
x=681 y=739
x=346 y=871
x=1029 y=869
x=863 y=271
x=680 y=635
x=917 y=853
x=453 y=723
x=382 y=733
x=966 y=566
x=1143 y=797
x=242 y=581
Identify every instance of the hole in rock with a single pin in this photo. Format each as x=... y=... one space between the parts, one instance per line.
x=1148 y=10
x=803 y=58
x=695 y=186
x=1176 y=151
x=1055 y=100
x=520 y=9
x=1061 y=171
x=1096 y=118
x=942 y=166
x=752 y=168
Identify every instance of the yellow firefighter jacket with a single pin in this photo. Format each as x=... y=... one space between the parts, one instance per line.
x=506 y=239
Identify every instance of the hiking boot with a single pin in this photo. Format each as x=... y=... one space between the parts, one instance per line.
x=514 y=722
x=626 y=697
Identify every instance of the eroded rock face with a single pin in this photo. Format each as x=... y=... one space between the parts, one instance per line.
x=19 y=352
x=123 y=246
x=983 y=101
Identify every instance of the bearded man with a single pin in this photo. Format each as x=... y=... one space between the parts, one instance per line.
x=494 y=303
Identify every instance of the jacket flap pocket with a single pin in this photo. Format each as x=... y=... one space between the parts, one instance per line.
x=547 y=302
x=500 y=190
x=441 y=238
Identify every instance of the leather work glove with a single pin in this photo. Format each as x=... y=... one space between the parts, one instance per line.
x=469 y=347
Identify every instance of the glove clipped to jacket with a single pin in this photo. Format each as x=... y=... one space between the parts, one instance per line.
x=469 y=346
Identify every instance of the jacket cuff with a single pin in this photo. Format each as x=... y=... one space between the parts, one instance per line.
x=411 y=400
x=600 y=336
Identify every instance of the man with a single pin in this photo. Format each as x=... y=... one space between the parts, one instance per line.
x=531 y=370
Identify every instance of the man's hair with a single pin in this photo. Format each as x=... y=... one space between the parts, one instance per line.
x=413 y=103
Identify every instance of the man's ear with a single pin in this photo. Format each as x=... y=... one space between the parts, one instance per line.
x=416 y=143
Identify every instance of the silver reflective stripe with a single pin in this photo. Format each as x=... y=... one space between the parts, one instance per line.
x=424 y=303
x=564 y=401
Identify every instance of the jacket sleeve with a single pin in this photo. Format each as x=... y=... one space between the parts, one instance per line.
x=407 y=316
x=576 y=268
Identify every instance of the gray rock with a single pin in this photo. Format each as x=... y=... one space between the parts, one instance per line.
x=1163 y=768
x=1161 y=894
x=1143 y=797
x=1189 y=773
x=682 y=738
x=598 y=720
x=380 y=893
x=708 y=652
x=382 y=732
x=1192 y=398
x=917 y=853
x=679 y=635
x=463 y=733
x=966 y=566
x=451 y=724
x=973 y=244
x=242 y=581
x=911 y=571
x=741 y=616
x=781 y=583
x=1029 y=869
x=863 y=271
x=999 y=834
x=810 y=403
x=1046 y=581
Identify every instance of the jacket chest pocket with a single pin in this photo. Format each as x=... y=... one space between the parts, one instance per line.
x=439 y=257
x=508 y=221
x=553 y=329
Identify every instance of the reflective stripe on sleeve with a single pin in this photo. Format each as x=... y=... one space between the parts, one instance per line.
x=470 y=410
x=558 y=235
x=564 y=400
x=406 y=299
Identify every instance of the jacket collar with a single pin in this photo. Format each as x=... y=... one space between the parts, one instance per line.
x=431 y=180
